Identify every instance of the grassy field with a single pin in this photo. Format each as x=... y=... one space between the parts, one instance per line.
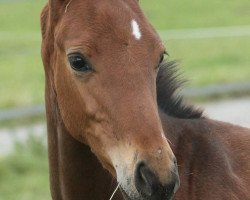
x=172 y=14
x=204 y=61
x=21 y=70
x=24 y=174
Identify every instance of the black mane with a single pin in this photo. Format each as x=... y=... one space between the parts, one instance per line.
x=169 y=101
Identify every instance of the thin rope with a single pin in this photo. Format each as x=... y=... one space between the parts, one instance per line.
x=66 y=8
x=114 y=192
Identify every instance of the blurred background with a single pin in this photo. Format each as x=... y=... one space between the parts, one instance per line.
x=210 y=39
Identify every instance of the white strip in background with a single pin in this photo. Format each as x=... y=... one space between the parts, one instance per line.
x=203 y=33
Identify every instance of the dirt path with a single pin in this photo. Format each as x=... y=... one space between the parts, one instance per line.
x=8 y=137
x=236 y=111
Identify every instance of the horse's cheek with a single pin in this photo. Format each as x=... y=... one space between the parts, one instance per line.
x=70 y=106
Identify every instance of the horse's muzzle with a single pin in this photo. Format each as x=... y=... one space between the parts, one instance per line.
x=149 y=187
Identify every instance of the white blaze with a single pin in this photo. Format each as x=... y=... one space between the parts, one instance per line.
x=136 y=30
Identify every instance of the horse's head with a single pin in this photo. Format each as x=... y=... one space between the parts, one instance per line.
x=102 y=57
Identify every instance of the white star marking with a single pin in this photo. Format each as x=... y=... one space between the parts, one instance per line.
x=136 y=30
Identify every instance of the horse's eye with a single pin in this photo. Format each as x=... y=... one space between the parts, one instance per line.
x=160 y=62
x=79 y=63
x=161 y=59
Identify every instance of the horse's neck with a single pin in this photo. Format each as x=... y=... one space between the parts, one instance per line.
x=203 y=159
x=75 y=173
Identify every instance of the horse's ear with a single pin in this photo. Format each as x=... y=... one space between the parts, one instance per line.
x=57 y=7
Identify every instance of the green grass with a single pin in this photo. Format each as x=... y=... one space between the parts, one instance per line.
x=24 y=173
x=204 y=61
x=21 y=76
x=23 y=122
x=20 y=15
x=172 y=14
x=213 y=61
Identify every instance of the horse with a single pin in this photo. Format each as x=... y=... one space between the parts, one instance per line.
x=115 y=119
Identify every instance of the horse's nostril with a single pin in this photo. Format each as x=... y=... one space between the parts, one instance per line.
x=149 y=186
x=172 y=187
x=146 y=181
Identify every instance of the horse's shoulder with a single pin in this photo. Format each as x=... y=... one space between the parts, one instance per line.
x=216 y=149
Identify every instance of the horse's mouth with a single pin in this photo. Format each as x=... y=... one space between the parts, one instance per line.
x=126 y=197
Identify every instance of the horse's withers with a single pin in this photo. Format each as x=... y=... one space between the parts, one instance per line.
x=112 y=106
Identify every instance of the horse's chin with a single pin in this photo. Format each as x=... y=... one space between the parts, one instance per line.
x=127 y=197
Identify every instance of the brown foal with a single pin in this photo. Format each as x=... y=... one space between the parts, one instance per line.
x=111 y=104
